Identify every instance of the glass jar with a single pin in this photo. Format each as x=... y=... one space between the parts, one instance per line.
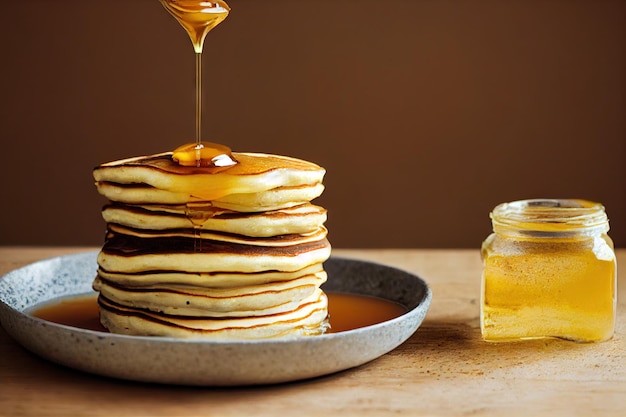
x=549 y=270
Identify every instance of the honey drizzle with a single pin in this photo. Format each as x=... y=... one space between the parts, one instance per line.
x=198 y=213
x=198 y=108
x=198 y=18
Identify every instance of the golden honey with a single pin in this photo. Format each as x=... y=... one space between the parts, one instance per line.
x=204 y=154
x=549 y=271
x=198 y=18
x=347 y=312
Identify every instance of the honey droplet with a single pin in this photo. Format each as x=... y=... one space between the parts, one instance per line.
x=205 y=154
x=197 y=17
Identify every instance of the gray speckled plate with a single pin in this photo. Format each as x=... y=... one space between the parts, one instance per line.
x=202 y=362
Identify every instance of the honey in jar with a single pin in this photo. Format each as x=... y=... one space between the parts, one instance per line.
x=549 y=271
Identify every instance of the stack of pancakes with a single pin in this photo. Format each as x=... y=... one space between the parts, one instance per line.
x=231 y=254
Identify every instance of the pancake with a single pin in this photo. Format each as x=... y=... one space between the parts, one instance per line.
x=255 y=173
x=274 y=199
x=308 y=319
x=252 y=300
x=303 y=218
x=197 y=236
x=224 y=280
x=125 y=253
x=196 y=252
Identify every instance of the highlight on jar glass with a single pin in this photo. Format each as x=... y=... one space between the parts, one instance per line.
x=549 y=271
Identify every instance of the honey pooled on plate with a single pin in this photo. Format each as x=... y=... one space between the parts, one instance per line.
x=347 y=312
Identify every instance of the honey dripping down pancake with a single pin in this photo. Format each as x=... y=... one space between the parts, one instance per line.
x=209 y=251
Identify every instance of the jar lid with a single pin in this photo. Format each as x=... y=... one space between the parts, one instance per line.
x=550 y=217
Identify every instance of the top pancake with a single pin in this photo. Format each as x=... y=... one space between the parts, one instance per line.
x=254 y=173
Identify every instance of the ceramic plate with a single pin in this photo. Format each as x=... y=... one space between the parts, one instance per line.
x=202 y=362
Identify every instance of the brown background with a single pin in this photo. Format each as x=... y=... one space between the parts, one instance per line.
x=426 y=114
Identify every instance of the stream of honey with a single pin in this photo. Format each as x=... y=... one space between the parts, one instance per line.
x=347 y=312
x=197 y=18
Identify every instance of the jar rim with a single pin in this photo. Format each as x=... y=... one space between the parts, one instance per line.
x=550 y=216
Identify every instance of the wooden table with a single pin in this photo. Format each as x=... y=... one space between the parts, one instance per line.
x=444 y=369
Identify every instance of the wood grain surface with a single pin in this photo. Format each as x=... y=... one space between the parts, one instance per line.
x=444 y=369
